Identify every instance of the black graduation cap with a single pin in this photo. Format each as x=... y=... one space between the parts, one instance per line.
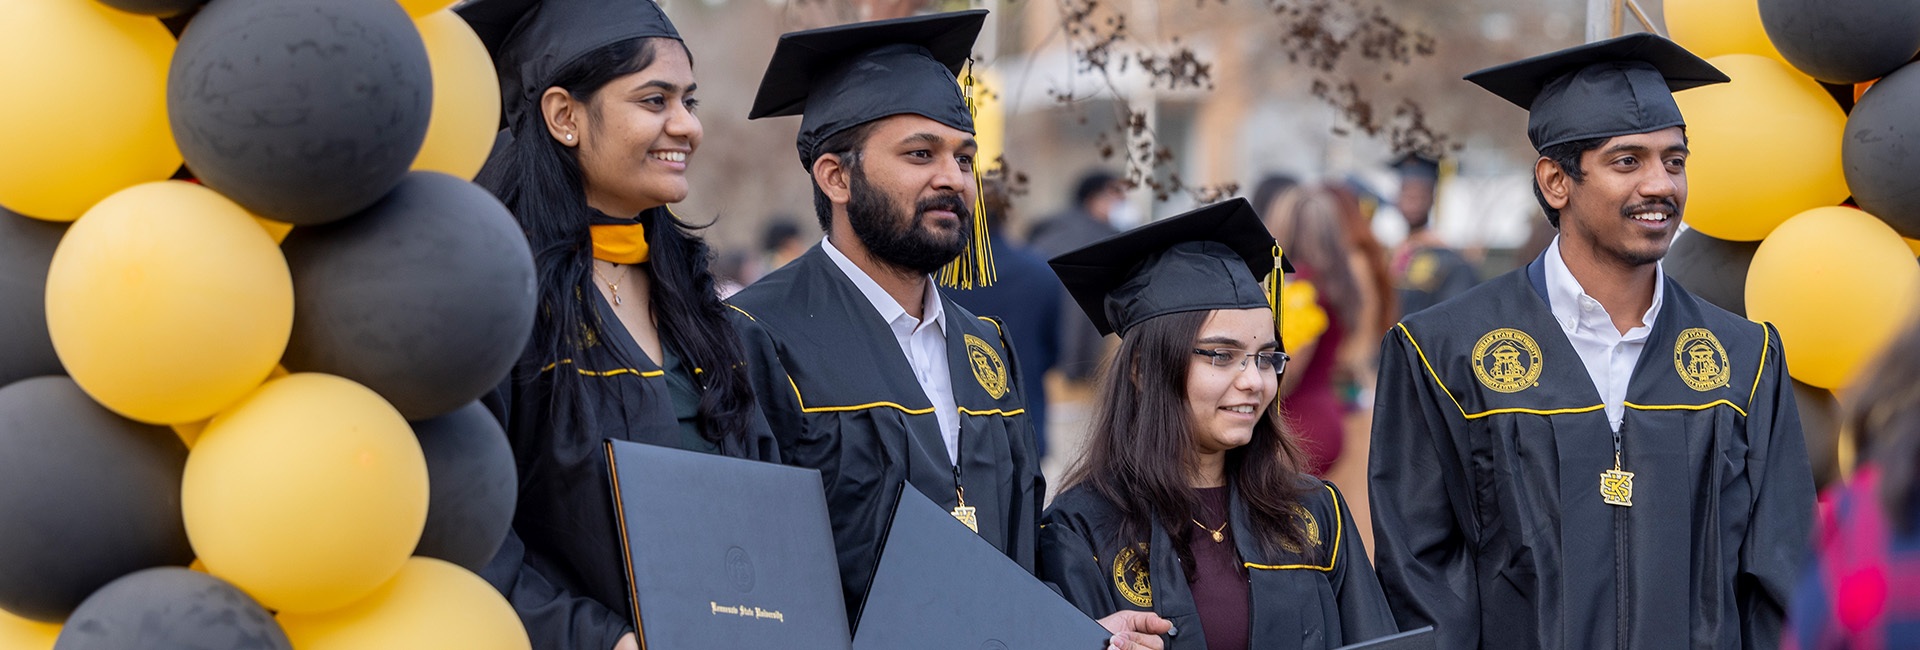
x=1418 y=165
x=844 y=76
x=1618 y=86
x=939 y=586
x=1215 y=257
x=531 y=40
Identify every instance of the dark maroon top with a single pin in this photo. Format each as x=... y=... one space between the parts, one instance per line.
x=1219 y=586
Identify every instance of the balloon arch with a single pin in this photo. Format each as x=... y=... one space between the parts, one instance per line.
x=238 y=398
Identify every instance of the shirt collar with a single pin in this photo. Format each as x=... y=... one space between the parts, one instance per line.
x=883 y=302
x=1565 y=297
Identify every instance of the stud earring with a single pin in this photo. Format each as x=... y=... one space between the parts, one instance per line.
x=569 y=137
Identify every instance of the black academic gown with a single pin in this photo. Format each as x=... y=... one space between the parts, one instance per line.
x=842 y=398
x=1296 y=602
x=1486 y=474
x=561 y=566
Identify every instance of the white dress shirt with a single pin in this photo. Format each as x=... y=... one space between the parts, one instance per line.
x=922 y=340
x=1608 y=354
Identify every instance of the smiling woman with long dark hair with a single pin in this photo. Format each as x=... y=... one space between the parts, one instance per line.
x=629 y=342
x=1189 y=501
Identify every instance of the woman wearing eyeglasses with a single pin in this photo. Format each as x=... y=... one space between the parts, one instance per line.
x=1189 y=500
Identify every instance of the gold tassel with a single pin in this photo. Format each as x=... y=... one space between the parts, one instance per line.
x=974 y=267
x=1274 y=281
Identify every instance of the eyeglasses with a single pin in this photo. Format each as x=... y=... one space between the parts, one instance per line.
x=1224 y=357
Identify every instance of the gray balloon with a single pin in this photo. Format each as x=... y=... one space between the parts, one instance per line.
x=302 y=111
x=1713 y=269
x=1843 y=41
x=1820 y=425
x=86 y=496
x=474 y=486
x=427 y=297
x=171 y=607
x=1881 y=151
x=26 y=251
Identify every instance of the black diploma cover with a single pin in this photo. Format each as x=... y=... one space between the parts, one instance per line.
x=724 y=552
x=939 y=586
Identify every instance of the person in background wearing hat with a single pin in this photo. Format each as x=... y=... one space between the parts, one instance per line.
x=1580 y=454
x=1190 y=500
x=1426 y=271
x=864 y=369
x=630 y=342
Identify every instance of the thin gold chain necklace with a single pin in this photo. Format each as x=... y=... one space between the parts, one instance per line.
x=612 y=286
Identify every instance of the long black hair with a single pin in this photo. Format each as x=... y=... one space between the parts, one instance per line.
x=1885 y=420
x=1141 y=446
x=540 y=181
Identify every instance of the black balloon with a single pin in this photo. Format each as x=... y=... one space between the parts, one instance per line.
x=473 y=483
x=426 y=298
x=160 y=8
x=301 y=111
x=1713 y=269
x=1843 y=41
x=1820 y=425
x=86 y=496
x=26 y=251
x=171 y=607
x=1881 y=151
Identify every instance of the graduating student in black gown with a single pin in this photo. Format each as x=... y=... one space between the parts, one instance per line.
x=630 y=342
x=1535 y=484
x=863 y=368
x=1189 y=501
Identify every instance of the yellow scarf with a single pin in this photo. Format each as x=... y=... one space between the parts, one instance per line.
x=620 y=241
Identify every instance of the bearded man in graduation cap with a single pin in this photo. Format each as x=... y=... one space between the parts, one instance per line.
x=865 y=370
x=1581 y=454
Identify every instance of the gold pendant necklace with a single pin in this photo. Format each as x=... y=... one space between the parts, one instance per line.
x=1616 y=485
x=1219 y=534
x=612 y=286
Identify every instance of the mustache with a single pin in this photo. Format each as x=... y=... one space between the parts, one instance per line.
x=1666 y=206
x=949 y=202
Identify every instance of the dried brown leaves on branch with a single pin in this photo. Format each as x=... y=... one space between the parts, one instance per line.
x=1329 y=37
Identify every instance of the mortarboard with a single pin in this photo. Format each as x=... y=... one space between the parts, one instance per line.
x=1618 y=86
x=532 y=40
x=1215 y=257
x=1415 y=164
x=844 y=76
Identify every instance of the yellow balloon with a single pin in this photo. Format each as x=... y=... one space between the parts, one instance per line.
x=275 y=229
x=1838 y=283
x=1914 y=245
x=21 y=634
x=1710 y=28
x=85 y=113
x=1765 y=147
x=308 y=494
x=430 y=604
x=466 y=97
x=167 y=302
x=189 y=432
x=418 y=8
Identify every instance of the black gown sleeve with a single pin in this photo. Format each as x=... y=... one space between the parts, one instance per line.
x=1777 y=537
x=1426 y=563
x=771 y=388
x=1364 y=614
x=554 y=619
x=1069 y=565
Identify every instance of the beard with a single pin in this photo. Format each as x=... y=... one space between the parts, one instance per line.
x=1643 y=252
x=900 y=241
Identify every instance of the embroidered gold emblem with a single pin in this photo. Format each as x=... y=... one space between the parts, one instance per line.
x=1700 y=360
x=987 y=367
x=1616 y=487
x=1507 y=360
x=1130 y=576
x=1308 y=525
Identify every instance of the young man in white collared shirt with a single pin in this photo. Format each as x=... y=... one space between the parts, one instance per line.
x=1581 y=454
